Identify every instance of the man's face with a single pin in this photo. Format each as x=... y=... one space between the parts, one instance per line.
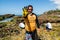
x=30 y=9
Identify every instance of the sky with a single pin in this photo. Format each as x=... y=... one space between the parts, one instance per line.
x=39 y=6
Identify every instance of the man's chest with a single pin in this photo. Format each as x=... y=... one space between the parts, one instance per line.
x=31 y=17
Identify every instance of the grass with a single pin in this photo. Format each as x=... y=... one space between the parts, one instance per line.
x=54 y=34
x=14 y=32
x=43 y=34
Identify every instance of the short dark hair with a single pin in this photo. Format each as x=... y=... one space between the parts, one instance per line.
x=22 y=20
x=30 y=6
x=48 y=21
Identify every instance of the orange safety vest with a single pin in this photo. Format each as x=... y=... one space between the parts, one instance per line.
x=32 y=22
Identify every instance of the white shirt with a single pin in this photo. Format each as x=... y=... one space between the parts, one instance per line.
x=21 y=25
x=49 y=25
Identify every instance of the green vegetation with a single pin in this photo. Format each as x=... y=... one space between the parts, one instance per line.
x=51 y=15
x=10 y=30
x=53 y=11
x=2 y=17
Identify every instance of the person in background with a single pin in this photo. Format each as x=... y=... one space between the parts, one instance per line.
x=31 y=23
x=48 y=26
x=21 y=24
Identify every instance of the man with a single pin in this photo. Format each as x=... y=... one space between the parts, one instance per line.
x=31 y=22
x=48 y=26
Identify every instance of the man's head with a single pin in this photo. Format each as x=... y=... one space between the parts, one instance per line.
x=30 y=8
x=47 y=21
